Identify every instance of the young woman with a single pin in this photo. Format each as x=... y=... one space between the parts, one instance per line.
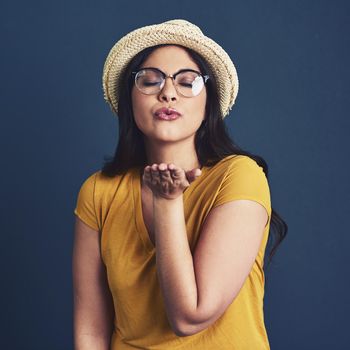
x=171 y=233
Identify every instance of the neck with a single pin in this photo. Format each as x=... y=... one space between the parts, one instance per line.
x=181 y=154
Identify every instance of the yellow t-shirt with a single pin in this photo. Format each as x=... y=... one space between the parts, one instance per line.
x=113 y=207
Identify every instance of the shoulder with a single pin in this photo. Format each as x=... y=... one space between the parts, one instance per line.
x=95 y=196
x=234 y=166
x=242 y=178
x=239 y=159
x=238 y=163
x=101 y=183
x=97 y=182
x=106 y=188
x=88 y=183
x=108 y=182
x=245 y=170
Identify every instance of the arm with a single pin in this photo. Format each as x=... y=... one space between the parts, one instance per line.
x=93 y=303
x=197 y=290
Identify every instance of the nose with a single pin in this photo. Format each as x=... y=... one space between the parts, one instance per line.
x=168 y=92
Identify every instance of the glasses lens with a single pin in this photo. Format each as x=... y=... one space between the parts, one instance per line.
x=148 y=81
x=189 y=83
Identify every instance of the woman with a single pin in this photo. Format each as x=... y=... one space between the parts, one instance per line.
x=170 y=235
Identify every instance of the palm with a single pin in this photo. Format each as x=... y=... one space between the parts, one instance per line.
x=168 y=181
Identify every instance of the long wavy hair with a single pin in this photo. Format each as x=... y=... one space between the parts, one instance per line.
x=212 y=139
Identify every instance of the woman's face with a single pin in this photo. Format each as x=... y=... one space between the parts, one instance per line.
x=168 y=59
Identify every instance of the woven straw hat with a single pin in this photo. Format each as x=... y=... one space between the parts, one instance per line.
x=177 y=31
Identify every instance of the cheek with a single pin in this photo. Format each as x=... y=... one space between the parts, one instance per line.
x=200 y=104
x=140 y=100
x=135 y=100
x=138 y=104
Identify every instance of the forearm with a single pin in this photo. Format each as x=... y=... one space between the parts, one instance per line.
x=89 y=342
x=174 y=260
x=91 y=333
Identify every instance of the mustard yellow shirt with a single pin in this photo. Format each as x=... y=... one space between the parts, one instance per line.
x=112 y=206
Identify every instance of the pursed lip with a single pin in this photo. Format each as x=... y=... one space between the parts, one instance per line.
x=166 y=110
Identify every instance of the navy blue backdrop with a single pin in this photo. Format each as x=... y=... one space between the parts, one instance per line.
x=292 y=59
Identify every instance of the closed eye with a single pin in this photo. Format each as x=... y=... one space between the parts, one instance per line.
x=186 y=84
x=150 y=83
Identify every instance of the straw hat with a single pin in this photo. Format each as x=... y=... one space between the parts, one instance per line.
x=177 y=31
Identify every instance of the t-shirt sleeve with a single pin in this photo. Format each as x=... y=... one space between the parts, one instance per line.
x=244 y=179
x=85 y=204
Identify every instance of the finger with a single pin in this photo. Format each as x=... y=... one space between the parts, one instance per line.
x=147 y=173
x=193 y=174
x=165 y=187
x=175 y=171
x=197 y=172
x=164 y=171
x=189 y=176
x=155 y=174
x=162 y=166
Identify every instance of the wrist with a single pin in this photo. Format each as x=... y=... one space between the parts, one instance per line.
x=164 y=201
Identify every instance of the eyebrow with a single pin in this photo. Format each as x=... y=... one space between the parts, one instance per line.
x=179 y=71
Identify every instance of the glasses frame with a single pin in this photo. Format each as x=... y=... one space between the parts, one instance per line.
x=172 y=76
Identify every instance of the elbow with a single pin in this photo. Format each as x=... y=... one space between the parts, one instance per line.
x=180 y=333
x=185 y=331
x=189 y=329
x=200 y=319
x=182 y=327
x=179 y=328
x=192 y=325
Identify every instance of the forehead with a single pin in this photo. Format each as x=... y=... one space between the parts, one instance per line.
x=170 y=59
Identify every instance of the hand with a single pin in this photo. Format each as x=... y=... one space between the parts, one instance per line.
x=168 y=181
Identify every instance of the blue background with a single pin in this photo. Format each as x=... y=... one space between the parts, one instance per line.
x=292 y=59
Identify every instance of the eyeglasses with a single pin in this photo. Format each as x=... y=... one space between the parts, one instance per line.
x=188 y=82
